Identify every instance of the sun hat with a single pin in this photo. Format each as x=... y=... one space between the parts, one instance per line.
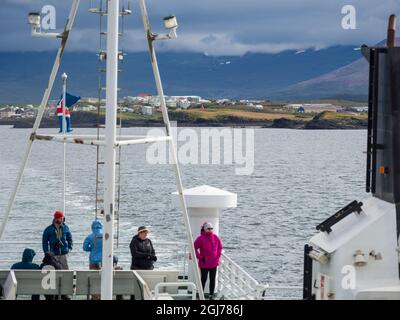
x=142 y=229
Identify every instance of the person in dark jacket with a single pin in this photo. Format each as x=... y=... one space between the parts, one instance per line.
x=50 y=262
x=142 y=251
x=57 y=239
x=27 y=264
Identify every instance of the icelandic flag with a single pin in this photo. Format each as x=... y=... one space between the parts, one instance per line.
x=70 y=101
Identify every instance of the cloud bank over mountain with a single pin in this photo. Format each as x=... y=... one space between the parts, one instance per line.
x=223 y=27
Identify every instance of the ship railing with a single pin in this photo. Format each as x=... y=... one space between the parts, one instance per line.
x=171 y=254
x=235 y=283
x=147 y=294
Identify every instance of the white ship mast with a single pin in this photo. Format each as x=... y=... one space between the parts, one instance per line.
x=110 y=142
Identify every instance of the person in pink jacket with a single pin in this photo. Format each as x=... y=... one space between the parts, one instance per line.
x=208 y=251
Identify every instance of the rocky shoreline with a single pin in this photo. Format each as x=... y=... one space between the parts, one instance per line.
x=316 y=123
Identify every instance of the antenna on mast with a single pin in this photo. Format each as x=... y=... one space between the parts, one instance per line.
x=391 y=34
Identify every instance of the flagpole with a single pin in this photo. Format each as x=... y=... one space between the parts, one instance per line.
x=40 y=112
x=64 y=78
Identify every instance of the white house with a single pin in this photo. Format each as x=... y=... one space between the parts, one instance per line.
x=360 y=109
x=147 y=110
x=88 y=107
x=314 y=107
x=171 y=103
x=223 y=101
x=294 y=106
x=89 y=100
x=154 y=101
x=183 y=104
x=204 y=101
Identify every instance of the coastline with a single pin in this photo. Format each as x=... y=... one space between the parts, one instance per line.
x=316 y=123
x=272 y=115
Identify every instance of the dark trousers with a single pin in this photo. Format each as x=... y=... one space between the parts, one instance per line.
x=204 y=274
x=143 y=267
x=95 y=266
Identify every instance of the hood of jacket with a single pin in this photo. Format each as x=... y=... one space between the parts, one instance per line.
x=28 y=255
x=97 y=227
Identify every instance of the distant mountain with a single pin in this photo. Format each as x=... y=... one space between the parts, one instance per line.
x=253 y=75
x=348 y=82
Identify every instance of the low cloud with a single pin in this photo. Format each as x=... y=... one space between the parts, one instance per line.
x=223 y=27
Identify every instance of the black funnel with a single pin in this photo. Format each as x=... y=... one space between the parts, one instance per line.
x=383 y=154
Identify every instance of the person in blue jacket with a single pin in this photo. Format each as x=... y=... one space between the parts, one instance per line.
x=27 y=264
x=94 y=244
x=57 y=239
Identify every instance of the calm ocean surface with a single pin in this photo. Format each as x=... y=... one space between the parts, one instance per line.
x=300 y=178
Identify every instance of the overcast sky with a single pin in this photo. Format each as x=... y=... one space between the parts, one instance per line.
x=218 y=27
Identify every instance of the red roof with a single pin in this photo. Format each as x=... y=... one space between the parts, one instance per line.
x=144 y=94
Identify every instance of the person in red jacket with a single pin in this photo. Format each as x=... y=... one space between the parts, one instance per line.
x=208 y=248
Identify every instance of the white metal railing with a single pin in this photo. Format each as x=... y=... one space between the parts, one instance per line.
x=235 y=283
x=147 y=295
x=10 y=287
x=95 y=140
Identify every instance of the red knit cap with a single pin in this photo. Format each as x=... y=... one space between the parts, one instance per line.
x=58 y=214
